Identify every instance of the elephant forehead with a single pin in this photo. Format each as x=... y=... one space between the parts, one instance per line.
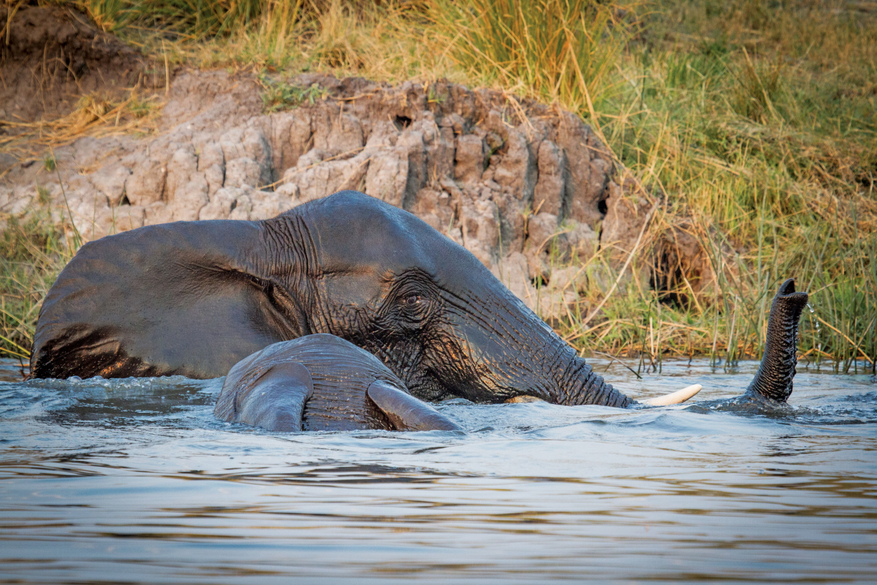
x=365 y=245
x=361 y=235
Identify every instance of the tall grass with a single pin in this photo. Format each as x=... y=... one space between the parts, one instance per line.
x=195 y=18
x=366 y=37
x=560 y=50
x=727 y=113
x=33 y=250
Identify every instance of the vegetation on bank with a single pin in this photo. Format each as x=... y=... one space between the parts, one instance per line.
x=752 y=126
x=32 y=252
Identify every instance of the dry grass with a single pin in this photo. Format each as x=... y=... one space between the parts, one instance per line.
x=93 y=116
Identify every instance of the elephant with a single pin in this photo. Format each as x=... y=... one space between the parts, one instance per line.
x=321 y=382
x=194 y=298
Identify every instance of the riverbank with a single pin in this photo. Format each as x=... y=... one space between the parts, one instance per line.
x=745 y=140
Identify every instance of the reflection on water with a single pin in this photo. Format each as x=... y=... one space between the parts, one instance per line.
x=134 y=481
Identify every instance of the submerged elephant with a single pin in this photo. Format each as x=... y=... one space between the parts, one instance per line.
x=194 y=298
x=321 y=382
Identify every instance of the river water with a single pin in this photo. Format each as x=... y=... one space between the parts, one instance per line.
x=134 y=481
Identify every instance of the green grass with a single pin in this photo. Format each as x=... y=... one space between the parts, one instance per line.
x=752 y=126
x=33 y=250
x=279 y=95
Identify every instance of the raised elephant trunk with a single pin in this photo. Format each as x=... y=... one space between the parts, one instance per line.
x=774 y=377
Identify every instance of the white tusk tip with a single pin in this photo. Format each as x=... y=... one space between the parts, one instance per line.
x=677 y=397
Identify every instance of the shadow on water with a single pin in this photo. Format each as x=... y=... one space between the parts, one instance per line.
x=135 y=481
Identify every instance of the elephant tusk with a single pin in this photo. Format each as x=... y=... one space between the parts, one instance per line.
x=523 y=398
x=674 y=397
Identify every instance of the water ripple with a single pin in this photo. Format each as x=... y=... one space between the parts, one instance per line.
x=134 y=481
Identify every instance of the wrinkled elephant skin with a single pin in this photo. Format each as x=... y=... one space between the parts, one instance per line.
x=773 y=381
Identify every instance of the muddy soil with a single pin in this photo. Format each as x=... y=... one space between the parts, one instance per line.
x=54 y=56
x=525 y=187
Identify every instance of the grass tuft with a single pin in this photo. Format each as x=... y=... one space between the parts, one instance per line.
x=558 y=50
x=33 y=250
x=279 y=95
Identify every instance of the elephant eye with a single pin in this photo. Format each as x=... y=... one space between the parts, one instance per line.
x=414 y=307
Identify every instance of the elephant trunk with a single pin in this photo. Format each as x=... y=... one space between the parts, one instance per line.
x=584 y=386
x=522 y=356
x=774 y=377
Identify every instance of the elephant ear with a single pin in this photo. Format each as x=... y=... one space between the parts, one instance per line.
x=275 y=401
x=406 y=412
x=182 y=298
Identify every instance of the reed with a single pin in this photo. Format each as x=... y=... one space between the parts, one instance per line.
x=32 y=253
x=774 y=156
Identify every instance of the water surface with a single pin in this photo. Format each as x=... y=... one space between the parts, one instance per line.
x=134 y=481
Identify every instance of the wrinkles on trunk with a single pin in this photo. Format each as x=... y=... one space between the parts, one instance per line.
x=774 y=377
x=585 y=386
x=514 y=353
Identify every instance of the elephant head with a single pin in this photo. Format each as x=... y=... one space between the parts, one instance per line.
x=386 y=281
x=321 y=382
x=194 y=298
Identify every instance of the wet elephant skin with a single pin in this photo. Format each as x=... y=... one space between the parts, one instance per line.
x=321 y=383
x=773 y=381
